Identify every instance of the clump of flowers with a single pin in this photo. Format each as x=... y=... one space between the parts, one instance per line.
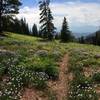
x=82 y=90
x=81 y=87
x=39 y=79
x=18 y=78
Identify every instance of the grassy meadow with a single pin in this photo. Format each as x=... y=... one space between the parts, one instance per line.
x=29 y=62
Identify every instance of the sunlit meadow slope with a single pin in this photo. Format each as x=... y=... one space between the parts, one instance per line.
x=31 y=62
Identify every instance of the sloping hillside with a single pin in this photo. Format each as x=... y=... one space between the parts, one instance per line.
x=33 y=69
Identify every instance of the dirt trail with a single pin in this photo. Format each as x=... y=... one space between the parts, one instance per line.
x=61 y=86
x=33 y=94
x=29 y=94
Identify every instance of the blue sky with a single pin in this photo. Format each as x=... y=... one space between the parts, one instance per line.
x=35 y=2
x=83 y=15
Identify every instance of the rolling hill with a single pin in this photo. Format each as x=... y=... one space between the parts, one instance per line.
x=34 y=69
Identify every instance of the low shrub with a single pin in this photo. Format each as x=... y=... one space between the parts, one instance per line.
x=76 y=67
x=96 y=77
x=52 y=71
x=2 y=70
x=56 y=55
x=90 y=62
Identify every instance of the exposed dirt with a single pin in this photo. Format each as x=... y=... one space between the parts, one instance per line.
x=29 y=94
x=33 y=94
x=88 y=71
x=59 y=87
x=97 y=89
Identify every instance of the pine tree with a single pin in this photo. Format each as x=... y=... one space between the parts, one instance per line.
x=8 y=7
x=24 y=27
x=7 y=23
x=35 y=30
x=16 y=26
x=39 y=34
x=65 y=33
x=47 y=28
x=82 y=40
x=57 y=36
x=97 y=37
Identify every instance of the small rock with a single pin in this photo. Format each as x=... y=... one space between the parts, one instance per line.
x=31 y=51
x=79 y=50
x=6 y=53
x=97 y=56
x=2 y=37
x=85 y=53
x=19 y=43
x=41 y=53
x=56 y=54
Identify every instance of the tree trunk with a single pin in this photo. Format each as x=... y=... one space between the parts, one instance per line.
x=1 y=1
x=0 y=24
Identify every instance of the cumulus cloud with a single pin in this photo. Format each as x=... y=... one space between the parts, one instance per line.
x=79 y=15
x=31 y=15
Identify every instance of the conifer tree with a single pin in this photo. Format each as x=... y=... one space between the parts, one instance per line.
x=24 y=27
x=35 y=30
x=16 y=26
x=93 y=38
x=7 y=23
x=8 y=7
x=65 y=33
x=82 y=40
x=97 y=37
x=46 y=19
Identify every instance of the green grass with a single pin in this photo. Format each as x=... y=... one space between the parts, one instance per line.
x=25 y=57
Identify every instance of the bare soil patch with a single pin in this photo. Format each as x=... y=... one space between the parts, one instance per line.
x=33 y=94
x=88 y=71
x=61 y=86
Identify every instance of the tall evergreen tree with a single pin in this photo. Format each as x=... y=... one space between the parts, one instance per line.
x=57 y=36
x=16 y=25
x=8 y=7
x=7 y=23
x=65 y=33
x=24 y=27
x=46 y=19
x=35 y=30
x=82 y=40
x=97 y=37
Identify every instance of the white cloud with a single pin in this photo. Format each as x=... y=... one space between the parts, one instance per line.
x=31 y=15
x=78 y=14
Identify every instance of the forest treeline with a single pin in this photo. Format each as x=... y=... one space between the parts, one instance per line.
x=9 y=22
x=93 y=38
